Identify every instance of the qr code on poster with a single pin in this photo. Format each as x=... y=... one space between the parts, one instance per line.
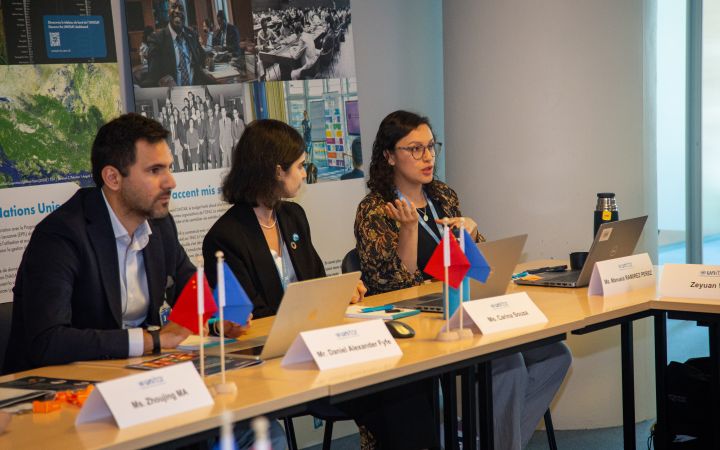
x=54 y=39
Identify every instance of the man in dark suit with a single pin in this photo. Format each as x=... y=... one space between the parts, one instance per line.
x=227 y=36
x=175 y=56
x=106 y=264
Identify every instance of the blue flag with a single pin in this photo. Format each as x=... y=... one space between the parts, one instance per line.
x=479 y=267
x=237 y=303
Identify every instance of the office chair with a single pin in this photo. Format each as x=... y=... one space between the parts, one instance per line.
x=351 y=262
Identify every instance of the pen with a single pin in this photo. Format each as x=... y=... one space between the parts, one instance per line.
x=377 y=308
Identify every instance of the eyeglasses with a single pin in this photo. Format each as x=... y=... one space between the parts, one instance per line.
x=418 y=151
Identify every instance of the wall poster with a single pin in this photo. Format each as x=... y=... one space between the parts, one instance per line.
x=206 y=68
x=59 y=81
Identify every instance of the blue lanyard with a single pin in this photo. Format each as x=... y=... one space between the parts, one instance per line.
x=421 y=221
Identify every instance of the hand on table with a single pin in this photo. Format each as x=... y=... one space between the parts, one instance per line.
x=359 y=293
x=172 y=334
x=233 y=330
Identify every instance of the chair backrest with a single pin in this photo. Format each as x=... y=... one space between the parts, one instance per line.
x=5 y=320
x=351 y=262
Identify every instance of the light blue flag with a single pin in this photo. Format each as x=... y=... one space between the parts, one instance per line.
x=237 y=303
x=479 y=267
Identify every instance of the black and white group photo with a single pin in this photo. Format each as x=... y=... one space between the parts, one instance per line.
x=303 y=39
x=204 y=123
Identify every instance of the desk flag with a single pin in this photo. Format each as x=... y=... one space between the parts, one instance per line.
x=185 y=311
x=479 y=267
x=448 y=254
x=237 y=303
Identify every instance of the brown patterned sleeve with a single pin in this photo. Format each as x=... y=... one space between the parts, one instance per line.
x=377 y=243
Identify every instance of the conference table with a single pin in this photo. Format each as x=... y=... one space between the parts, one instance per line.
x=276 y=391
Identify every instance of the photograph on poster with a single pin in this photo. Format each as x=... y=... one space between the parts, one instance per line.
x=303 y=39
x=325 y=113
x=190 y=43
x=205 y=122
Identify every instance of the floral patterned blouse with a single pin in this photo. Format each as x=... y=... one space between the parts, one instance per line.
x=376 y=238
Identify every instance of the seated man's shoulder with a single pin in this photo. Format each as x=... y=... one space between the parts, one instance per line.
x=69 y=217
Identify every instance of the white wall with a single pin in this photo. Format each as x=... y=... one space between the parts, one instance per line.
x=543 y=109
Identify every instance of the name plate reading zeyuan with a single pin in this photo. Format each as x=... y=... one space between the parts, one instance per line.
x=497 y=314
x=343 y=345
x=619 y=275
x=690 y=281
x=146 y=396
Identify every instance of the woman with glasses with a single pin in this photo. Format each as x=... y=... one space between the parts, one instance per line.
x=395 y=226
x=397 y=232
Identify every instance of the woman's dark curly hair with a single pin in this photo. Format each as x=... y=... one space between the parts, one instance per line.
x=264 y=145
x=393 y=128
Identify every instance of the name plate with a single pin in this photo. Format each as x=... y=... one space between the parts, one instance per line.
x=620 y=275
x=498 y=314
x=343 y=345
x=690 y=281
x=146 y=396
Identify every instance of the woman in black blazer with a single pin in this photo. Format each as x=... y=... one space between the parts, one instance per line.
x=267 y=244
x=266 y=241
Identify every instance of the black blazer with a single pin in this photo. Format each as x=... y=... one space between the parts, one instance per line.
x=67 y=303
x=161 y=57
x=238 y=234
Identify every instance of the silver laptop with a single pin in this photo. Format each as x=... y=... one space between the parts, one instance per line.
x=613 y=240
x=502 y=255
x=306 y=305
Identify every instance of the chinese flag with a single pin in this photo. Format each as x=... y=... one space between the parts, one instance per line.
x=185 y=311
x=448 y=253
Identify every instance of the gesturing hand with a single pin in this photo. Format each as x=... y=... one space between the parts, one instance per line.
x=470 y=225
x=402 y=211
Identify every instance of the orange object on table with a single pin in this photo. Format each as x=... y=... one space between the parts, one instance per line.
x=46 y=406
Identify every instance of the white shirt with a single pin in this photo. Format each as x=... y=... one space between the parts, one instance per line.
x=134 y=295
x=284 y=265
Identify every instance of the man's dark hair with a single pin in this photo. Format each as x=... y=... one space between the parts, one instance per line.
x=264 y=145
x=114 y=143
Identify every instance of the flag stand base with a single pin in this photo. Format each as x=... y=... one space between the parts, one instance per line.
x=229 y=388
x=465 y=333
x=447 y=336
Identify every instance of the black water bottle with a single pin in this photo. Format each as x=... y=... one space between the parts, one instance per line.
x=605 y=211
